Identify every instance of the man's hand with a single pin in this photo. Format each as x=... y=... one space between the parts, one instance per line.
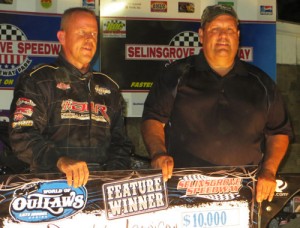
x=276 y=147
x=154 y=139
x=77 y=172
x=165 y=163
x=266 y=185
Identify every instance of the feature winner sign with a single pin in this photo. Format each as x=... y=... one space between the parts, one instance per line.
x=134 y=197
x=194 y=197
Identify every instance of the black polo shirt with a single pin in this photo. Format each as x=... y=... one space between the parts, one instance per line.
x=214 y=120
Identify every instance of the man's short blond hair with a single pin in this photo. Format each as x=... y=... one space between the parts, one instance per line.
x=69 y=12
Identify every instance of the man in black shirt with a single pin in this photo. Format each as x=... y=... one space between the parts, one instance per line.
x=216 y=110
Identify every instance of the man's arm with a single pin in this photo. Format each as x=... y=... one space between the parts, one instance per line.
x=154 y=139
x=276 y=147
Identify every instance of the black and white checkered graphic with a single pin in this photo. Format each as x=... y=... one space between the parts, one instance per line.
x=11 y=32
x=186 y=39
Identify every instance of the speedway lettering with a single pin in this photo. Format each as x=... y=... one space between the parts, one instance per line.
x=135 y=196
x=165 y=52
x=29 y=48
x=207 y=186
x=158 y=52
x=246 y=54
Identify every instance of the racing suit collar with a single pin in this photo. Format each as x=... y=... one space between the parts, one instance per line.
x=73 y=70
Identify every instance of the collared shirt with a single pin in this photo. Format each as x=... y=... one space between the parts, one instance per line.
x=216 y=120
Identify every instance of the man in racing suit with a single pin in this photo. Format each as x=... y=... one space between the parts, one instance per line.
x=64 y=116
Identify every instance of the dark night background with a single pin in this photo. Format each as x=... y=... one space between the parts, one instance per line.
x=288 y=10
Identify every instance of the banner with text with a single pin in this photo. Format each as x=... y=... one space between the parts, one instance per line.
x=196 y=197
x=139 y=38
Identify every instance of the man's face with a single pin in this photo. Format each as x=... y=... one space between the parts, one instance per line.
x=79 y=39
x=220 y=39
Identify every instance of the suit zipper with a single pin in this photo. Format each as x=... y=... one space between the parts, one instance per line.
x=90 y=111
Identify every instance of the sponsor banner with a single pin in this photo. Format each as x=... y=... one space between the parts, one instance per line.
x=89 y=4
x=28 y=39
x=151 y=9
x=134 y=198
x=159 y=6
x=22 y=45
x=266 y=10
x=186 y=9
x=144 y=39
x=114 y=28
x=141 y=54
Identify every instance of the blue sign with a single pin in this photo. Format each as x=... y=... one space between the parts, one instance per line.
x=47 y=201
